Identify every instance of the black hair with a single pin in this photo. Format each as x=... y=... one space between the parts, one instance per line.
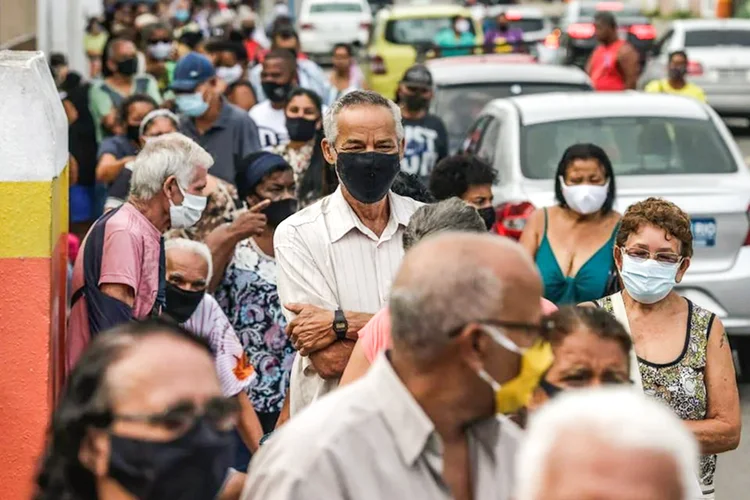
x=453 y=176
x=85 y=404
x=133 y=99
x=245 y=189
x=149 y=30
x=411 y=186
x=317 y=179
x=191 y=39
x=345 y=46
x=240 y=83
x=90 y=22
x=283 y=25
x=585 y=151
x=57 y=59
x=285 y=55
x=677 y=53
x=606 y=18
x=566 y=320
x=218 y=45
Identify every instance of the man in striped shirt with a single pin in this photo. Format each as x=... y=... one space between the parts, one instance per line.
x=337 y=258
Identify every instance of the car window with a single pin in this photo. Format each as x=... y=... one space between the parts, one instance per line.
x=459 y=105
x=474 y=135
x=335 y=8
x=488 y=141
x=529 y=24
x=711 y=38
x=417 y=30
x=636 y=146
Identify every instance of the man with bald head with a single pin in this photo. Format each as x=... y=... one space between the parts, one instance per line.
x=422 y=423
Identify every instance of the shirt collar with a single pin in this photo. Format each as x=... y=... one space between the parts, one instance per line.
x=225 y=117
x=342 y=219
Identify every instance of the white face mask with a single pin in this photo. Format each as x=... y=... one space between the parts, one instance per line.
x=189 y=213
x=462 y=26
x=648 y=281
x=160 y=50
x=229 y=75
x=585 y=198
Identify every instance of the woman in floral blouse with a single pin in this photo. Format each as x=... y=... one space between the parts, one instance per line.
x=681 y=349
x=247 y=292
x=304 y=122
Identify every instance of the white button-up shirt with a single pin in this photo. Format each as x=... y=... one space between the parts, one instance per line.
x=372 y=441
x=328 y=258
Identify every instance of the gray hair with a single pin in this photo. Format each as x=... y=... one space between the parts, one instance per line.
x=359 y=98
x=435 y=303
x=162 y=157
x=112 y=47
x=620 y=417
x=452 y=214
x=196 y=247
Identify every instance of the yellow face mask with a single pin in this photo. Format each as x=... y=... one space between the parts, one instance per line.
x=516 y=393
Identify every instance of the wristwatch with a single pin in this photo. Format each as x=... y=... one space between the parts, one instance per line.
x=340 y=324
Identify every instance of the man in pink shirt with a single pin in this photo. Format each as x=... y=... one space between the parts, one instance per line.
x=119 y=272
x=448 y=215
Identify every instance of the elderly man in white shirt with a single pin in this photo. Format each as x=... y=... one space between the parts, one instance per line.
x=422 y=423
x=337 y=258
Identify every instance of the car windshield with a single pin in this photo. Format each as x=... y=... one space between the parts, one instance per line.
x=335 y=8
x=525 y=25
x=635 y=145
x=413 y=31
x=459 y=105
x=617 y=9
x=712 y=38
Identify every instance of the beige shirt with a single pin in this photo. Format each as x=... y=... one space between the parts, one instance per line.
x=328 y=258
x=372 y=440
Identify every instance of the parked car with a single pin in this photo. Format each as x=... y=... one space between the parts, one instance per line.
x=660 y=145
x=531 y=20
x=324 y=23
x=719 y=60
x=464 y=85
x=401 y=34
x=575 y=40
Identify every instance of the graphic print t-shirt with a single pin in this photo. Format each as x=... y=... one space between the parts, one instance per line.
x=271 y=125
x=426 y=144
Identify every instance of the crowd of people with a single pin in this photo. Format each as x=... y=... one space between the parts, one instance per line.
x=255 y=234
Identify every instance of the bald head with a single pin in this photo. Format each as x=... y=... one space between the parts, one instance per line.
x=452 y=279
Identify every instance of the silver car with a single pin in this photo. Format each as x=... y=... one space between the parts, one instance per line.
x=660 y=145
x=719 y=60
x=464 y=85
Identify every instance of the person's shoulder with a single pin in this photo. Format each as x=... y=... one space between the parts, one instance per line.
x=695 y=91
x=409 y=204
x=653 y=86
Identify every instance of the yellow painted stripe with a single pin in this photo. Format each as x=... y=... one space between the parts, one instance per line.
x=32 y=216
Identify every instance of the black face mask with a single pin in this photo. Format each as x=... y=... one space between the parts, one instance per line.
x=503 y=27
x=278 y=211
x=300 y=129
x=181 y=304
x=368 y=176
x=488 y=216
x=415 y=102
x=551 y=390
x=133 y=132
x=191 y=467
x=128 y=67
x=276 y=92
x=248 y=31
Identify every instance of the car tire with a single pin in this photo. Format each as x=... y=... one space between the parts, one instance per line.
x=741 y=355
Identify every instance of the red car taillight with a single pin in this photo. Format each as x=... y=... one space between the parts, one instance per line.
x=511 y=218
x=364 y=25
x=306 y=26
x=643 y=31
x=694 y=68
x=377 y=65
x=747 y=238
x=581 y=30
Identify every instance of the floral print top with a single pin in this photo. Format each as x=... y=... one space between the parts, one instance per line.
x=681 y=384
x=249 y=298
x=299 y=161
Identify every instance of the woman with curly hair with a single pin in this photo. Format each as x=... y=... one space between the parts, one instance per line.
x=682 y=352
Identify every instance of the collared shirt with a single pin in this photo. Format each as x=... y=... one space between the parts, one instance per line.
x=232 y=137
x=328 y=258
x=372 y=440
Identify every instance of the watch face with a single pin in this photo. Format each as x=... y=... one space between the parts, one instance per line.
x=339 y=325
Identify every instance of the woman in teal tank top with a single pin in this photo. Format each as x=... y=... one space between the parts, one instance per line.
x=572 y=243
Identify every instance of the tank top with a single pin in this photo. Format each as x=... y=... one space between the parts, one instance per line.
x=681 y=384
x=605 y=74
x=589 y=283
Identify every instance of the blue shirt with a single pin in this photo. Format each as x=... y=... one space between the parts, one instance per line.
x=446 y=39
x=118 y=146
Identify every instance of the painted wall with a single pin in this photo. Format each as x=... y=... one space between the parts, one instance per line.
x=33 y=246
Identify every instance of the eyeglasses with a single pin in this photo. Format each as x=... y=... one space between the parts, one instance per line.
x=220 y=412
x=641 y=254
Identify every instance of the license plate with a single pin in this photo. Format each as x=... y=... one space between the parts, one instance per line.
x=732 y=74
x=704 y=232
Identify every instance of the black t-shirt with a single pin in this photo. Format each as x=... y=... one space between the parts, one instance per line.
x=426 y=144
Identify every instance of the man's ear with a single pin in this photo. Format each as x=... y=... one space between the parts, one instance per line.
x=329 y=152
x=402 y=148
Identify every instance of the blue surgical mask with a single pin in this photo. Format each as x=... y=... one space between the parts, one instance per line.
x=648 y=281
x=192 y=105
x=182 y=15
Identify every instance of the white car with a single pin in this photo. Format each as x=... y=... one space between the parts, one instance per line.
x=660 y=145
x=324 y=23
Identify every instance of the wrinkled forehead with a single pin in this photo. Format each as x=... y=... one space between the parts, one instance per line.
x=366 y=123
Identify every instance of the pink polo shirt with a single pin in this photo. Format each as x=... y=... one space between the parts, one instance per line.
x=375 y=336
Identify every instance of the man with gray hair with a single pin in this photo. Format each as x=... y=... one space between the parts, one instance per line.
x=337 y=258
x=119 y=273
x=607 y=444
x=422 y=423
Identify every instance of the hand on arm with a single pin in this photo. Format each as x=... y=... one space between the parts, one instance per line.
x=312 y=328
x=330 y=362
x=629 y=63
x=720 y=430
